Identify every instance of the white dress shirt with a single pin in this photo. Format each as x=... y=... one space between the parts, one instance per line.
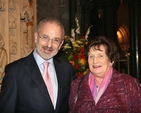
x=51 y=71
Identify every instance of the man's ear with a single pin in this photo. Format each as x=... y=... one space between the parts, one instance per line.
x=61 y=44
x=35 y=37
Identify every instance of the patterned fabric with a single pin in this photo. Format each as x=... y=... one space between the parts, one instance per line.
x=123 y=95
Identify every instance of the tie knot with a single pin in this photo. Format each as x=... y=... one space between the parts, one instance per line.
x=46 y=65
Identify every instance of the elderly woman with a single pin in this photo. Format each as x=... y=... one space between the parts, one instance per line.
x=103 y=89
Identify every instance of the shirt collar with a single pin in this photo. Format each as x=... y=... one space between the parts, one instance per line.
x=39 y=59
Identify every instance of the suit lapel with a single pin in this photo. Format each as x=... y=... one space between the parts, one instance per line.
x=34 y=72
x=60 y=77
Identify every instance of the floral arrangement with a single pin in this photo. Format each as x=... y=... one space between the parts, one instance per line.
x=73 y=49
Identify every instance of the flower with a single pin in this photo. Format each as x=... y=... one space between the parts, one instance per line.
x=73 y=49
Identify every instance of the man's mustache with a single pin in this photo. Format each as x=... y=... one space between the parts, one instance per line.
x=48 y=48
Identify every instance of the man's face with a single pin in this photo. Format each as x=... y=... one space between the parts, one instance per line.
x=48 y=40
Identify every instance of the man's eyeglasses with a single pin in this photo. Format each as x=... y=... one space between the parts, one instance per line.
x=46 y=39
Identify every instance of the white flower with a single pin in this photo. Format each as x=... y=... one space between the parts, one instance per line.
x=72 y=39
x=73 y=33
x=78 y=26
x=78 y=30
x=66 y=46
x=87 y=33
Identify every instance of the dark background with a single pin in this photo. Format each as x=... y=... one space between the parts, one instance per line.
x=107 y=17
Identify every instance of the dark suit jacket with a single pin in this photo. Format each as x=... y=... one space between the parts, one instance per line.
x=24 y=91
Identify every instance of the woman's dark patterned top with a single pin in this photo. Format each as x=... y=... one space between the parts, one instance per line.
x=123 y=95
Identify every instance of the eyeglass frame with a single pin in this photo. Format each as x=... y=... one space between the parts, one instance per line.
x=46 y=39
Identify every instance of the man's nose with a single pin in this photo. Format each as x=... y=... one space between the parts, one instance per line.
x=50 y=43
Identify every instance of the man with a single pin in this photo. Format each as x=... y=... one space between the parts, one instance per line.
x=23 y=87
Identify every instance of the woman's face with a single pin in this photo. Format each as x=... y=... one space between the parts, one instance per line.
x=98 y=61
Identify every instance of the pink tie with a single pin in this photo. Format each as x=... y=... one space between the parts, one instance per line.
x=47 y=80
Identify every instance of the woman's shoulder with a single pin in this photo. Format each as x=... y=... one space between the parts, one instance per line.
x=125 y=78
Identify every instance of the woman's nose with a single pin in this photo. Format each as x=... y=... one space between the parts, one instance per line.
x=94 y=60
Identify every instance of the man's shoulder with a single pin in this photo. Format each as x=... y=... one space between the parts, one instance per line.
x=20 y=61
x=60 y=60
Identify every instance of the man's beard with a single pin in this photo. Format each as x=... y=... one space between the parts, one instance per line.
x=43 y=55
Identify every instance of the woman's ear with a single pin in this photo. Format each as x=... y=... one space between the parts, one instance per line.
x=111 y=64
